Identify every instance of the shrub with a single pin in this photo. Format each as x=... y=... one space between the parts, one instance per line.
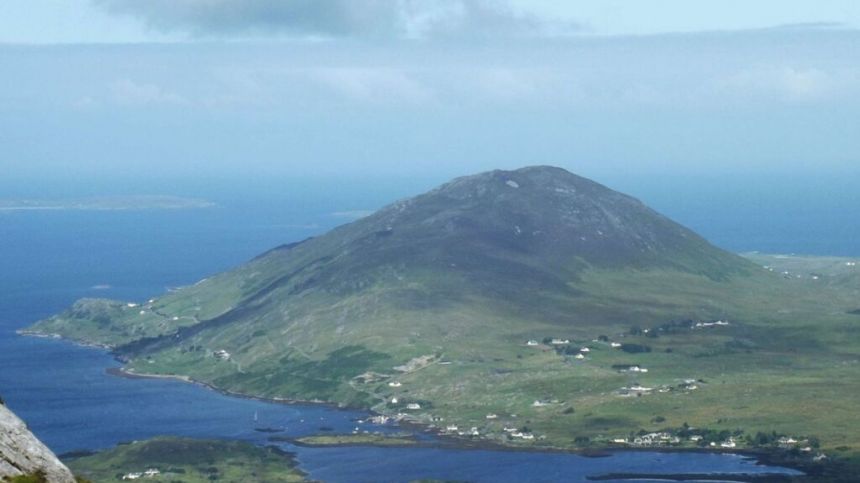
x=635 y=348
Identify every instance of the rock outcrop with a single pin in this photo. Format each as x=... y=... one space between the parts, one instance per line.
x=21 y=453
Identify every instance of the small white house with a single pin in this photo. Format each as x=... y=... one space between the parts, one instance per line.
x=394 y=400
x=585 y=350
x=579 y=356
x=729 y=444
x=222 y=354
x=394 y=384
x=559 y=341
x=532 y=343
x=413 y=406
x=491 y=416
x=615 y=345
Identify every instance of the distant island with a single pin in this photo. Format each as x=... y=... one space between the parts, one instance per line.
x=106 y=203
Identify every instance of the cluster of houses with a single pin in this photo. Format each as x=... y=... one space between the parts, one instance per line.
x=789 y=442
x=664 y=438
x=150 y=473
x=640 y=390
x=454 y=429
x=517 y=434
x=651 y=439
x=222 y=354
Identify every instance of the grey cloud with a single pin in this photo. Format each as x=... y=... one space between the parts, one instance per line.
x=335 y=18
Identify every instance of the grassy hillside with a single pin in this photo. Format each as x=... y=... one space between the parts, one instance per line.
x=431 y=301
x=190 y=461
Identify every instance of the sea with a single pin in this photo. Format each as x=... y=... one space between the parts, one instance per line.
x=49 y=259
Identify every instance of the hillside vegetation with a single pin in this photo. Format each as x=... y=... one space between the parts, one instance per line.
x=189 y=461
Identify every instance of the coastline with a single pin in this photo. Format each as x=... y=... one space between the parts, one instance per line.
x=447 y=441
x=452 y=442
x=80 y=343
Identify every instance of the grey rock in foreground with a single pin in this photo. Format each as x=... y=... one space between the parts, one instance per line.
x=22 y=453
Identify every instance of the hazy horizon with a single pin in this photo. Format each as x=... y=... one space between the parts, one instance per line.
x=285 y=91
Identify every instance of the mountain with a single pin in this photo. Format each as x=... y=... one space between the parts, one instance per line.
x=22 y=454
x=429 y=303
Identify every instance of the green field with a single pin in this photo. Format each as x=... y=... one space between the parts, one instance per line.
x=791 y=348
x=189 y=461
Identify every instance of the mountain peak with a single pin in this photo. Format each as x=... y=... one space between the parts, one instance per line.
x=555 y=217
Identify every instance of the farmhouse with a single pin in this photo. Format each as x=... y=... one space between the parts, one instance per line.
x=729 y=443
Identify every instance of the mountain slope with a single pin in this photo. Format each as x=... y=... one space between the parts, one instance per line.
x=22 y=454
x=494 y=235
x=503 y=250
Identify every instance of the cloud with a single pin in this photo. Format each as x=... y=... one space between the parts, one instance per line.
x=335 y=18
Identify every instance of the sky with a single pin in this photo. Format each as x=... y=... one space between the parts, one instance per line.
x=196 y=89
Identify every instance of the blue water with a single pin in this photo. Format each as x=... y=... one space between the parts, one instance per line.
x=50 y=259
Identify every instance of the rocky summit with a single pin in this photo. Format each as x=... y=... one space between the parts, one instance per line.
x=21 y=453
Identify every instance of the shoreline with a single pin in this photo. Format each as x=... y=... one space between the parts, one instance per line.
x=762 y=457
x=445 y=441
